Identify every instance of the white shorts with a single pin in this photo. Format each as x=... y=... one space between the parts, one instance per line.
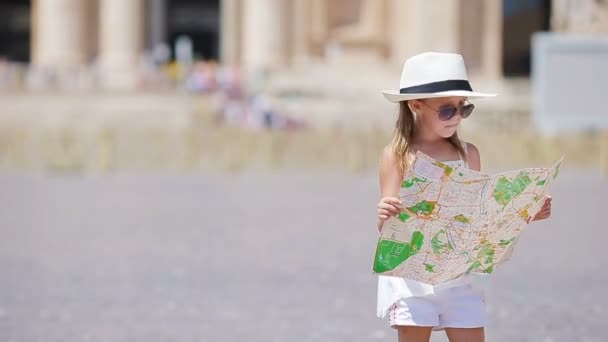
x=456 y=307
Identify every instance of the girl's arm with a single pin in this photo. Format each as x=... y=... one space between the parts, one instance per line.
x=391 y=178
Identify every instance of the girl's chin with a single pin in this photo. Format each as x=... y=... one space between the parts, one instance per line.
x=449 y=131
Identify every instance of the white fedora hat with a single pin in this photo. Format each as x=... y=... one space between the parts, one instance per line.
x=433 y=74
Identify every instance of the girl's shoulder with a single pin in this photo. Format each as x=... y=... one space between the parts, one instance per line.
x=388 y=156
x=473 y=158
x=388 y=160
x=470 y=148
x=390 y=171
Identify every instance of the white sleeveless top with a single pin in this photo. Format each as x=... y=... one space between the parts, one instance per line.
x=391 y=289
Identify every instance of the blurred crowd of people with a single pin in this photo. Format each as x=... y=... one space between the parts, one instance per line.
x=240 y=101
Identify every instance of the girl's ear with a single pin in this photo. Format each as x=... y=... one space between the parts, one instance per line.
x=415 y=105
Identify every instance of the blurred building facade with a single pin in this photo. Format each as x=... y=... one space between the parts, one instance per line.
x=106 y=42
x=493 y=35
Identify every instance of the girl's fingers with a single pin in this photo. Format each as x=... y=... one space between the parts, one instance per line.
x=388 y=213
x=386 y=207
x=390 y=208
x=392 y=200
x=384 y=212
x=383 y=205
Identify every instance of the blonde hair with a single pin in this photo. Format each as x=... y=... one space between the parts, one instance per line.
x=405 y=128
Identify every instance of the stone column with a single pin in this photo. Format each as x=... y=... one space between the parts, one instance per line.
x=422 y=25
x=439 y=24
x=264 y=41
x=401 y=30
x=492 y=39
x=58 y=39
x=363 y=38
x=471 y=24
x=121 y=42
x=300 y=43
x=230 y=32
x=319 y=25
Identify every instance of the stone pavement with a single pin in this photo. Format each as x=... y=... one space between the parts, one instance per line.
x=260 y=257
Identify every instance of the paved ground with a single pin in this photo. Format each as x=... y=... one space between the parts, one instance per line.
x=260 y=258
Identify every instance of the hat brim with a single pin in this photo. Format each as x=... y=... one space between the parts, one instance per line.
x=396 y=96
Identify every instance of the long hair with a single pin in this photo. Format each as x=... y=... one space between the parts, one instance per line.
x=405 y=128
x=403 y=135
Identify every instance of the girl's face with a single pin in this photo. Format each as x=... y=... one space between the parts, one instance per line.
x=440 y=114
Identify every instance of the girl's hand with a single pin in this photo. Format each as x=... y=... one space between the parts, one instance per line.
x=545 y=211
x=387 y=207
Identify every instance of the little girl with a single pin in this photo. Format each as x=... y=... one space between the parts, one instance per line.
x=433 y=99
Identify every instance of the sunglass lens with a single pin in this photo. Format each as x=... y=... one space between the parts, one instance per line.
x=447 y=113
x=466 y=111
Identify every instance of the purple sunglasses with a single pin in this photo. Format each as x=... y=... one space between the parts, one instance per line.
x=446 y=113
